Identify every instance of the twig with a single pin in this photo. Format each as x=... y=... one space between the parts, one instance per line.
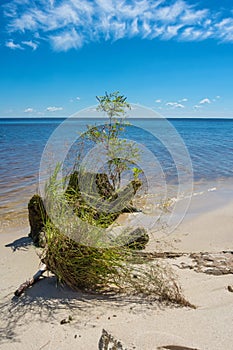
x=29 y=283
x=43 y=346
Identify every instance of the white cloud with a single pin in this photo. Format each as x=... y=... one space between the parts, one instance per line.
x=66 y=40
x=216 y=98
x=75 y=99
x=54 y=109
x=29 y=110
x=68 y=24
x=84 y=6
x=171 y=31
x=204 y=101
x=31 y=44
x=175 y=105
x=195 y=34
x=157 y=31
x=146 y=29
x=11 y=45
x=106 y=5
x=179 y=105
x=137 y=9
x=26 y=22
x=170 y=13
x=225 y=29
x=158 y=101
x=197 y=107
x=134 y=27
x=193 y=17
x=183 y=100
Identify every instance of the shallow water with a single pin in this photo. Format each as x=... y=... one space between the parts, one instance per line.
x=208 y=142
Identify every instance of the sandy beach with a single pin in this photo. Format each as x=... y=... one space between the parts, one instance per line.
x=116 y=156
x=33 y=321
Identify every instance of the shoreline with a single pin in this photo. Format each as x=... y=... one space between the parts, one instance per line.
x=222 y=189
x=207 y=225
x=33 y=320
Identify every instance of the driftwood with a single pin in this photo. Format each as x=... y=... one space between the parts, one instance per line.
x=30 y=282
x=108 y=342
x=159 y=255
x=211 y=263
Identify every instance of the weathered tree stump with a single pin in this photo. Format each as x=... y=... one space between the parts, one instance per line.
x=97 y=215
x=37 y=219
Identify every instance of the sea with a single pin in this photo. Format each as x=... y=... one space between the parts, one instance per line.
x=195 y=154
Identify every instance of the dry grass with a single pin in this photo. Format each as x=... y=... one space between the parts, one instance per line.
x=114 y=270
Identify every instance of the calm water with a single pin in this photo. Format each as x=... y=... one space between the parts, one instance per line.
x=22 y=141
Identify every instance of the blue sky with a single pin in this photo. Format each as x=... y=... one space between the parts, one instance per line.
x=173 y=56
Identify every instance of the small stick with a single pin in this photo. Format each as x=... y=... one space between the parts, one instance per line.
x=29 y=283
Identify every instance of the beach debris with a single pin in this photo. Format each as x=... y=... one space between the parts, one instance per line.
x=213 y=263
x=43 y=346
x=230 y=288
x=160 y=255
x=30 y=282
x=108 y=342
x=67 y=320
x=219 y=263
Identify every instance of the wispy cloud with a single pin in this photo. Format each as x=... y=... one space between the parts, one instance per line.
x=11 y=45
x=158 y=101
x=31 y=44
x=54 y=109
x=66 y=40
x=175 y=105
x=172 y=12
x=29 y=110
x=191 y=17
x=205 y=101
x=75 y=99
x=69 y=24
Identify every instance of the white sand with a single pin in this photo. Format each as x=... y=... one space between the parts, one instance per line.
x=33 y=320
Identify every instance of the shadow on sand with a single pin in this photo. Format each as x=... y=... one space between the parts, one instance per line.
x=21 y=243
x=46 y=301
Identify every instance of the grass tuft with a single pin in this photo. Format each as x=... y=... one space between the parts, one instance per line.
x=109 y=270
